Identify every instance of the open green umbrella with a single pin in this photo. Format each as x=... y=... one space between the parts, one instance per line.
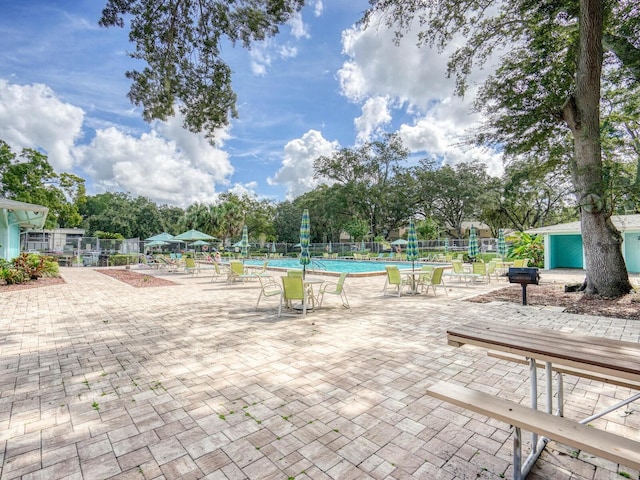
x=305 y=231
x=502 y=244
x=400 y=241
x=156 y=243
x=161 y=237
x=473 y=243
x=245 y=242
x=412 y=244
x=192 y=236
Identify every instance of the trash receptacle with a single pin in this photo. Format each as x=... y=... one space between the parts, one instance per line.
x=103 y=260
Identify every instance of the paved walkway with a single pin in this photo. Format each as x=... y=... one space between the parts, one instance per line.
x=100 y=380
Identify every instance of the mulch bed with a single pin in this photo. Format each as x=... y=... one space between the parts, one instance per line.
x=41 y=282
x=137 y=280
x=575 y=302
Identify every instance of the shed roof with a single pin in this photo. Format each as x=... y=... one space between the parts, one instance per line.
x=27 y=215
x=622 y=222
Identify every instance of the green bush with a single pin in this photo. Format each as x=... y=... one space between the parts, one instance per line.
x=119 y=260
x=50 y=268
x=528 y=246
x=31 y=264
x=13 y=276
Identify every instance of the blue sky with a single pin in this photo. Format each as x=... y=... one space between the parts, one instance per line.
x=321 y=84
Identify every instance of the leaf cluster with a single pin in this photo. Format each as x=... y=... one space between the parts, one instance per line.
x=180 y=42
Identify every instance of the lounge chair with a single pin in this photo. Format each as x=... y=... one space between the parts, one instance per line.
x=218 y=271
x=334 y=288
x=190 y=266
x=293 y=289
x=168 y=265
x=479 y=271
x=458 y=271
x=491 y=270
x=294 y=273
x=260 y=270
x=521 y=262
x=236 y=273
x=393 y=281
x=268 y=287
x=426 y=270
x=435 y=279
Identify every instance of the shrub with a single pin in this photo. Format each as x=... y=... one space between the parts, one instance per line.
x=13 y=276
x=50 y=268
x=119 y=260
x=27 y=267
x=31 y=264
x=529 y=246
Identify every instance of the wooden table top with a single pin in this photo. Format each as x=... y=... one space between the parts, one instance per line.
x=597 y=354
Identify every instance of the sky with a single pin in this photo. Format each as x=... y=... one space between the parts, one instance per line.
x=321 y=84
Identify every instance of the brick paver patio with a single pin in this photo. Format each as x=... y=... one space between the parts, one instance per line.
x=100 y=380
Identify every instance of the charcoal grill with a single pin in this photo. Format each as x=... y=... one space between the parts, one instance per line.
x=524 y=276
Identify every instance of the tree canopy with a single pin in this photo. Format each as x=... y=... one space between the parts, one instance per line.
x=543 y=100
x=180 y=42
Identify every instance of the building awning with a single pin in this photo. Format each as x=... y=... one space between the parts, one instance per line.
x=26 y=215
x=623 y=223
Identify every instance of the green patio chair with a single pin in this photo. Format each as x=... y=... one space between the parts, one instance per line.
x=394 y=281
x=293 y=289
x=268 y=288
x=334 y=288
x=436 y=279
x=190 y=266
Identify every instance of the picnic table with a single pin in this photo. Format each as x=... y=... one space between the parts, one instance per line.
x=603 y=359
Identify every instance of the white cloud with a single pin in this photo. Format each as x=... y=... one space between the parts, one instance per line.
x=438 y=133
x=168 y=165
x=299 y=29
x=393 y=80
x=376 y=66
x=375 y=113
x=296 y=172
x=32 y=116
x=318 y=8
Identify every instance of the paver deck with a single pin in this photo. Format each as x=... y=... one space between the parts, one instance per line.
x=100 y=380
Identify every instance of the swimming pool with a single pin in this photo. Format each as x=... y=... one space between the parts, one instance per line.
x=321 y=265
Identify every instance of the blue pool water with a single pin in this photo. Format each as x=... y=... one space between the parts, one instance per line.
x=338 y=266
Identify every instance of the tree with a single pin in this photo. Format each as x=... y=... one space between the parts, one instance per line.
x=427 y=228
x=110 y=213
x=532 y=197
x=287 y=222
x=547 y=85
x=171 y=218
x=181 y=43
x=357 y=228
x=373 y=181
x=452 y=194
x=30 y=178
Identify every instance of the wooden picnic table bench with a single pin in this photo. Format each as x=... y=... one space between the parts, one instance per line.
x=607 y=360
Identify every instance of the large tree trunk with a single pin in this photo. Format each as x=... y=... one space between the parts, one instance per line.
x=606 y=271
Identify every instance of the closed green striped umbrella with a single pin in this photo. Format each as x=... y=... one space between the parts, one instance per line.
x=305 y=232
x=446 y=245
x=330 y=247
x=502 y=244
x=473 y=243
x=412 y=244
x=245 y=242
